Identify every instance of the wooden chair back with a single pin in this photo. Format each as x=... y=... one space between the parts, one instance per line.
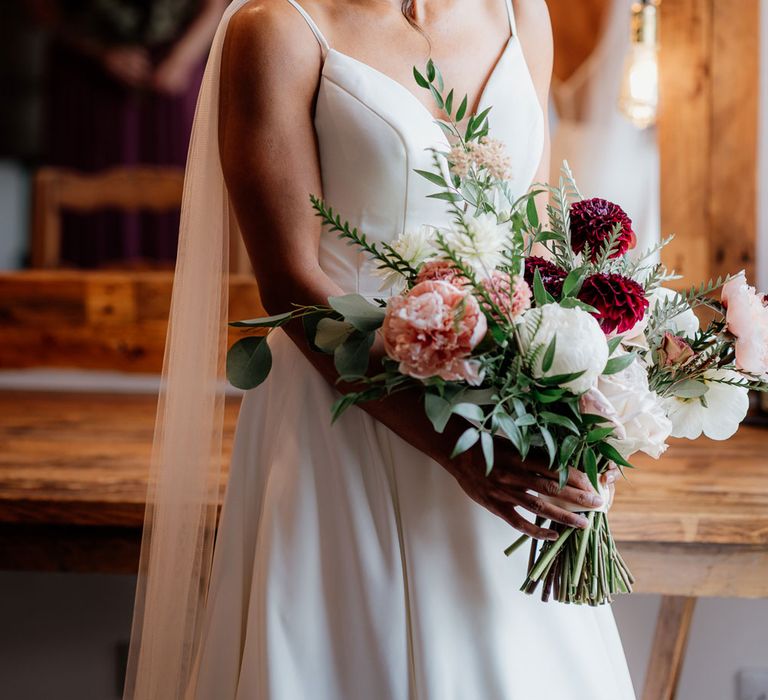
x=127 y=189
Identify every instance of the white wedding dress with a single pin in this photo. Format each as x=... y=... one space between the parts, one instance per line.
x=348 y=565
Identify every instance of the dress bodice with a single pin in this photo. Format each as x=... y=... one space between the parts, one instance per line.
x=373 y=133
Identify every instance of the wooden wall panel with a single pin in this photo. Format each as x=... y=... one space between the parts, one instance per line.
x=708 y=130
x=734 y=130
x=684 y=133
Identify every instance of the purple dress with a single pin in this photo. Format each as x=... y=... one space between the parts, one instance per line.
x=95 y=122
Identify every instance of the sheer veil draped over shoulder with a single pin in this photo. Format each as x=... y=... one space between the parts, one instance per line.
x=184 y=481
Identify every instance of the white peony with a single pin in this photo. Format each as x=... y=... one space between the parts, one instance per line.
x=481 y=248
x=686 y=323
x=580 y=347
x=637 y=413
x=415 y=247
x=718 y=417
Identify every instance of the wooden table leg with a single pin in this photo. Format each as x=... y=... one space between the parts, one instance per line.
x=668 y=650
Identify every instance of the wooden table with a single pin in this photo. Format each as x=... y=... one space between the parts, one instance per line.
x=73 y=474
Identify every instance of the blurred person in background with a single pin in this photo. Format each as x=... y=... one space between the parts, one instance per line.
x=121 y=87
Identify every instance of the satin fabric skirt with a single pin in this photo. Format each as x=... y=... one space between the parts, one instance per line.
x=350 y=566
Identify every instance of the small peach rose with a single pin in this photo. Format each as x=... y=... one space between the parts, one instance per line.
x=442 y=270
x=511 y=295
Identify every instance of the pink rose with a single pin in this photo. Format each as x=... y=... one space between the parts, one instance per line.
x=443 y=270
x=747 y=319
x=511 y=295
x=432 y=330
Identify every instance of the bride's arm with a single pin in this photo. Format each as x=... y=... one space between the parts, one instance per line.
x=269 y=79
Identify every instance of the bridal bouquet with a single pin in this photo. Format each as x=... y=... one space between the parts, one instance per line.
x=547 y=334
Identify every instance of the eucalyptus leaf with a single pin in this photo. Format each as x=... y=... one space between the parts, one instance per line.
x=249 y=361
x=330 y=333
x=351 y=357
x=358 y=311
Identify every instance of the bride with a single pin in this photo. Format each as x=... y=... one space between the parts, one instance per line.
x=355 y=560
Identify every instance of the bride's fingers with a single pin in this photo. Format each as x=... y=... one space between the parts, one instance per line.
x=538 y=506
x=577 y=479
x=506 y=511
x=551 y=487
x=610 y=475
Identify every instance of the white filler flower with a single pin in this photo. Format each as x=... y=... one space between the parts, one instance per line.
x=580 y=346
x=637 y=413
x=725 y=409
x=481 y=245
x=415 y=247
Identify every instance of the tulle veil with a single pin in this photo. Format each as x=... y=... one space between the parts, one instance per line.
x=184 y=480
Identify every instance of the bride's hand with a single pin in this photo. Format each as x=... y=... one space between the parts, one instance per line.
x=505 y=490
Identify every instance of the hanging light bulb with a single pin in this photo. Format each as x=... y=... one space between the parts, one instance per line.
x=639 y=97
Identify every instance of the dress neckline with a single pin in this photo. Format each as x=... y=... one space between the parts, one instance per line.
x=481 y=99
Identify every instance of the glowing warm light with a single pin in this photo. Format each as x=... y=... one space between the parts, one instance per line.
x=639 y=98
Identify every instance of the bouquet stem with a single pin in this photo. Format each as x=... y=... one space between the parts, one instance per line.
x=582 y=567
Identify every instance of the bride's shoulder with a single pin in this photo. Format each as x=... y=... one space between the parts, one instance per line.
x=533 y=19
x=264 y=33
x=535 y=28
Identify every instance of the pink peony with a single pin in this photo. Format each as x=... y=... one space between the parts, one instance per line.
x=511 y=295
x=432 y=330
x=747 y=319
x=442 y=270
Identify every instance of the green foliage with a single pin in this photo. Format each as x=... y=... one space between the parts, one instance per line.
x=249 y=361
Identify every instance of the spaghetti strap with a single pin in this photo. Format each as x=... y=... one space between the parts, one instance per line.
x=324 y=45
x=511 y=13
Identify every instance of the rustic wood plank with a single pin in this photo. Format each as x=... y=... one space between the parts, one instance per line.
x=700 y=570
x=96 y=320
x=734 y=129
x=83 y=459
x=684 y=128
x=668 y=648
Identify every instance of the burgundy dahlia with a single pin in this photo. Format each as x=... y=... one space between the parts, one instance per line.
x=619 y=300
x=593 y=221
x=551 y=275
